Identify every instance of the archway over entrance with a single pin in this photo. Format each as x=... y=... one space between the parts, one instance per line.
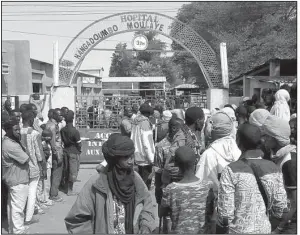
x=170 y=27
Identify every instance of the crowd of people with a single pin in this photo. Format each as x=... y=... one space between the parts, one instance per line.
x=228 y=170
x=39 y=159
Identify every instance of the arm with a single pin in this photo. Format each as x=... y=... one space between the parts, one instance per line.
x=16 y=152
x=165 y=207
x=78 y=140
x=127 y=126
x=52 y=142
x=80 y=217
x=37 y=142
x=226 y=208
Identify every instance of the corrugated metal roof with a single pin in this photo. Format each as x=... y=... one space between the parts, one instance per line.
x=134 y=79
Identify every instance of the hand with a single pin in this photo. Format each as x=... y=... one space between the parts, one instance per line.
x=144 y=230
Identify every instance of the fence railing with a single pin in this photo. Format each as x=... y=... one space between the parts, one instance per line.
x=107 y=111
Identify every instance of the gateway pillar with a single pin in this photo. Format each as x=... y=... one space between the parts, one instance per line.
x=217 y=98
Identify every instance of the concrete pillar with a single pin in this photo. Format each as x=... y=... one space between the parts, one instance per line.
x=63 y=96
x=217 y=98
x=79 y=84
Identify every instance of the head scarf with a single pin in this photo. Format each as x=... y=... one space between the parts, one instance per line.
x=281 y=108
x=234 y=106
x=229 y=112
x=167 y=115
x=282 y=95
x=121 y=181
x=221 y=125
x=293 y=116
x=278 y=129
x=258 y=117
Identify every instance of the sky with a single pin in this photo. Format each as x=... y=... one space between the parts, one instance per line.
x=43 y=23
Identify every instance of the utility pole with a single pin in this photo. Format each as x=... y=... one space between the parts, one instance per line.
x=55 y=64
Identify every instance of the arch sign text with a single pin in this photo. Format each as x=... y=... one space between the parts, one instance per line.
x=172 y=28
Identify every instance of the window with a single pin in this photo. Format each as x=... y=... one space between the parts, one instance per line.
x=37 y=87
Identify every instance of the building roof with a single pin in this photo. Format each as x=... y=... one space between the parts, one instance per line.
x=134 y=79
x=186 y=86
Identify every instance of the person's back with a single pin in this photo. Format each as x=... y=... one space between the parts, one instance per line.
x=241 y=200
x=189 y=201
x=250 y=189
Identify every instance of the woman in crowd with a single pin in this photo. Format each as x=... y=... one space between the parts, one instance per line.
x=281 y=107
x=221 y=152
x=115 y=200
x=283 y=154
x=258 y=118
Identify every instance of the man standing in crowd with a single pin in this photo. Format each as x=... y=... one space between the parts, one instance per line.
x=17 y=114
x=31 y=139
x=64 y=111
x=142 y=137
x=37 y=122
x=15 y=174
x=57 y=152
x=72 y=149
x=35 y=99
x=194 y=122
x=126 y=124
x=251 y=189
x=115 y=201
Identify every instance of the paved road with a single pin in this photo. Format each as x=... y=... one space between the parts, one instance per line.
x=53 y=220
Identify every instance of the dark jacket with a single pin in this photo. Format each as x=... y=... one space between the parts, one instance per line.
x=93 y=209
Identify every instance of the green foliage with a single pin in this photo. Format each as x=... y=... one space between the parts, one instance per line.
x=254 y=32
x=145 y=64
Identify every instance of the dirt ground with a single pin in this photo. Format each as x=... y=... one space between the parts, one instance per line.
x=53 y=220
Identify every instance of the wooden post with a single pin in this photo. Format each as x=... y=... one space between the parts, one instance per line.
x=55 y=64
x=224 y=65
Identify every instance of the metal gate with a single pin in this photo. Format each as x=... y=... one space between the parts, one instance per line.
x=102 y=111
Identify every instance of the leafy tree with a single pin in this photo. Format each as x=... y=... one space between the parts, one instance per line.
x=254 y=32
x=121 y=61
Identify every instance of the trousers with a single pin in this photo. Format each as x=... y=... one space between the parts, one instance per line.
x=56 y=174
x=31 y=201
x=70 y=167
x=43 y=189
x=17 y=198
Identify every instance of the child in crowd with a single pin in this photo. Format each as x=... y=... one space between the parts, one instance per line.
x=44 y=184
x=188 y=202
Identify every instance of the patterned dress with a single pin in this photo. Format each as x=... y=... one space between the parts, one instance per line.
x=191 y=206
